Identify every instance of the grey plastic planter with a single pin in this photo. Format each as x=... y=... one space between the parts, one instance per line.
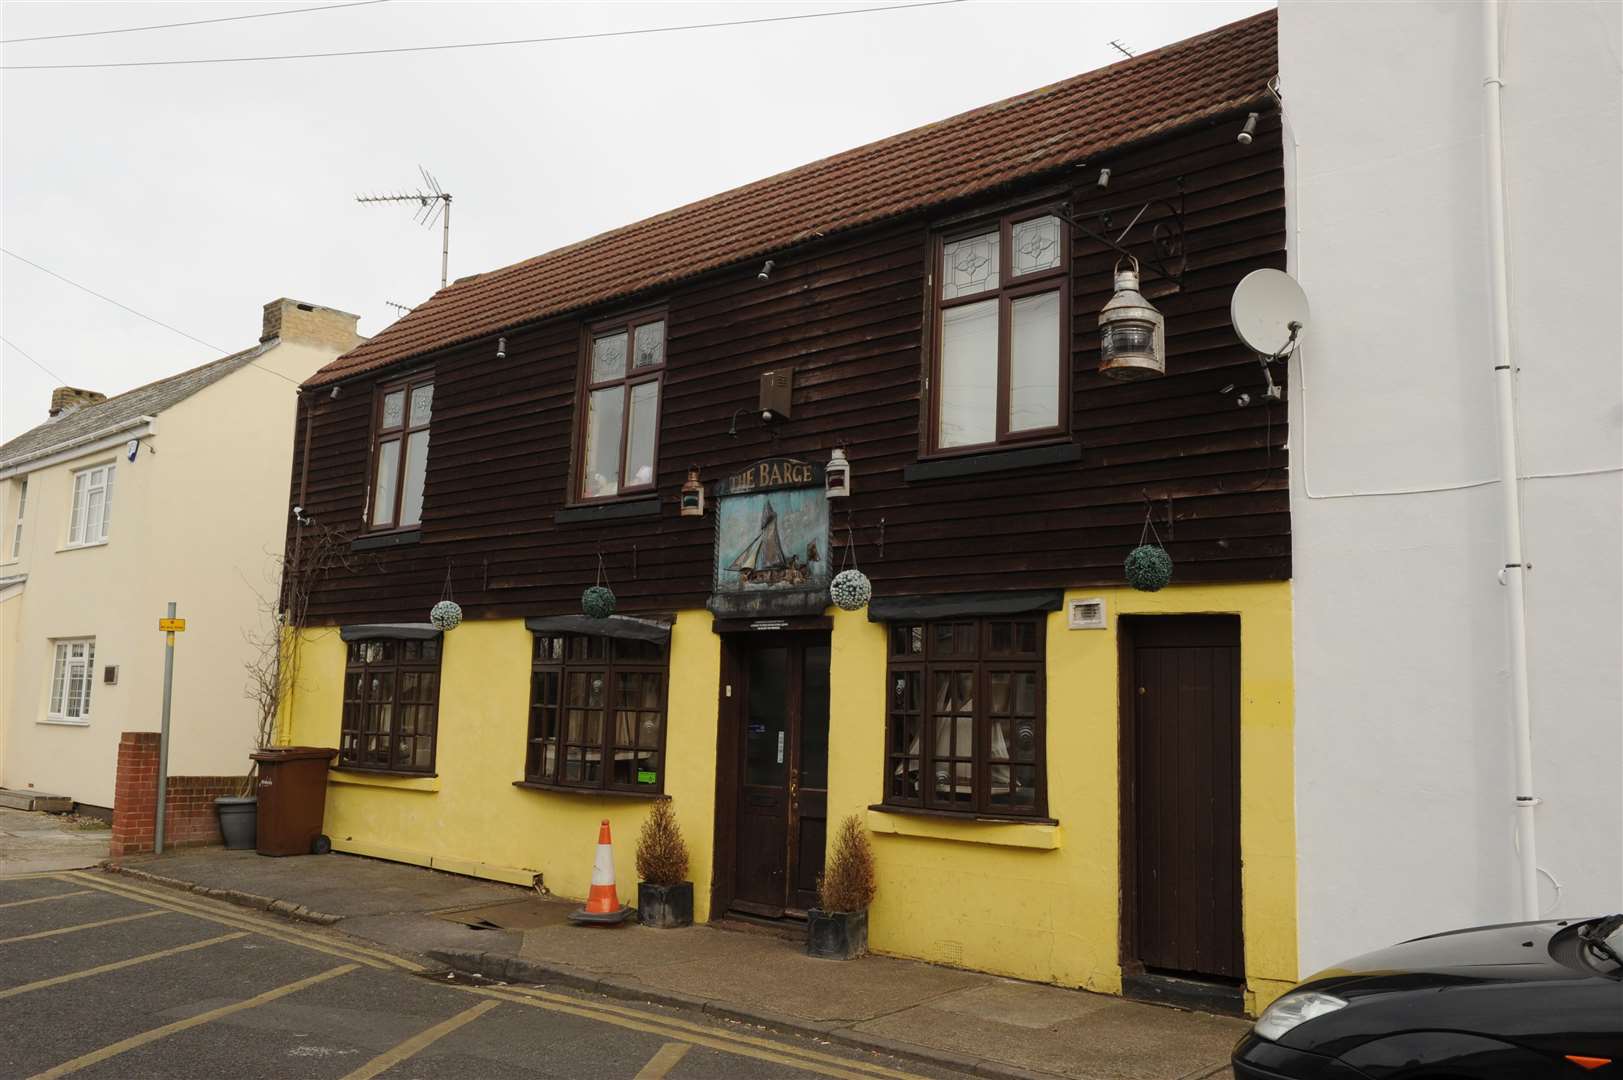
x=239 y=821
x=836 y=935
x=665 y=907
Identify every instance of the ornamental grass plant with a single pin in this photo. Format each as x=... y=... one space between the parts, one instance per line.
x=662 y=854
x=848 y=882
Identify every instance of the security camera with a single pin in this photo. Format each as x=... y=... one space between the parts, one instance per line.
x=1247 y=132
x=766 y=271
x=299 y=516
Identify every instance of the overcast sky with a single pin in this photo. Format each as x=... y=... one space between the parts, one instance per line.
x=196 y=193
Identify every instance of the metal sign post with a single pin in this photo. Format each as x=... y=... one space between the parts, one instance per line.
x=170 y=626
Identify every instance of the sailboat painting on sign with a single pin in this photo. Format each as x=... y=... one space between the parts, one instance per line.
x=771 y=538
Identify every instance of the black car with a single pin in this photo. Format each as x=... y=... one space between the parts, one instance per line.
x=1518 y=1001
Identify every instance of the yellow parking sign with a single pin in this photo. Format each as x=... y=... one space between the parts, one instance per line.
x=172 y=625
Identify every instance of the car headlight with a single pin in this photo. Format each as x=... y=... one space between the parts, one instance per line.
x=1294 y=1009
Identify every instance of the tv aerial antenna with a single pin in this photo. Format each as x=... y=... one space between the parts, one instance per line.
x=433 y=203
x=1116 y=44
x=1269 y=312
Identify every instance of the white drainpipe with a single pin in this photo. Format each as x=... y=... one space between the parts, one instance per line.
x=1512 y=576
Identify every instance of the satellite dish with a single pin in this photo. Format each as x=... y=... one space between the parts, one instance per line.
x=1269 y=311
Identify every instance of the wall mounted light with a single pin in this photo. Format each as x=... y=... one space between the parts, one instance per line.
x=837 y=475
x=693 y=495
x=1132 y=334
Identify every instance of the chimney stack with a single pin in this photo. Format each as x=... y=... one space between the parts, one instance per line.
x=65 y=399
x=309 y=324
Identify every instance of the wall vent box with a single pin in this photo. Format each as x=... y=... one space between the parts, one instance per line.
x=109 y=674
x=1086 y=614
x=777 y=392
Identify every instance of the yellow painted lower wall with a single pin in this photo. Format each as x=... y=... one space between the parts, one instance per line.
x=1038 y=902
x=470 y=819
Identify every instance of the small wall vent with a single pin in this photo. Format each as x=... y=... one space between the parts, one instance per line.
x=1087 y=614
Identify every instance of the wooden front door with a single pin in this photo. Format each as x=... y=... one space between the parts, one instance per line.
x=782 y=810
x=1181 y=796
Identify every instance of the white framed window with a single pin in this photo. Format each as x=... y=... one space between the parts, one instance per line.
x=92 y=505
x=72 y=676
x=22 y=507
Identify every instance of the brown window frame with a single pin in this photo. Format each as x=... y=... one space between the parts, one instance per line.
x=394 y=660
x=583 y=402
x=379 y=436
x=1008 y=290
x=985 y=662
x=610 y=664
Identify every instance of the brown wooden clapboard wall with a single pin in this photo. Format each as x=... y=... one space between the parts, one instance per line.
x=848 y=313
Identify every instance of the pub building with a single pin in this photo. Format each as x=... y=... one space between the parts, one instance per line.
x=624 y=475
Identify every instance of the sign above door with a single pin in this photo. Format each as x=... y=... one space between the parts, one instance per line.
x=771 y=541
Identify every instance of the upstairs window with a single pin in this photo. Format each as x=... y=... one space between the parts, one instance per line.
x=71 y=679
x=964 y=724
x=619 y=435
x=92 y=506
x=1000 y=370
x=391 y=705
x=597 y=713
x=22 y=507
x=400 y=453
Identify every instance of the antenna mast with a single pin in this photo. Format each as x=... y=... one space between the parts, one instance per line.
x=433 y=202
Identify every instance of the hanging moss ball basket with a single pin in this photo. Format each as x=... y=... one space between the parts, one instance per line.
x=446 y=615
x=1148 y=568
x=850 y=590
x=598 y=602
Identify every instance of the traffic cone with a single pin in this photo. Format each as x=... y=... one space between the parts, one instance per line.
x=603 y=902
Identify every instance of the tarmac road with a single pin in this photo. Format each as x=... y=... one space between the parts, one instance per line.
x=104 y=978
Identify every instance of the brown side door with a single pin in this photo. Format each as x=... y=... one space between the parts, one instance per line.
x=782 y=807
x=1181 y=799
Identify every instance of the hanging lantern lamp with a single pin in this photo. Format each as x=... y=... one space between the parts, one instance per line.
x=837 y=476
x=1132 y=334
x=693 y=495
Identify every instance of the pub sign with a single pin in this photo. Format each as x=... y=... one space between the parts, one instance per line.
x=771 y=541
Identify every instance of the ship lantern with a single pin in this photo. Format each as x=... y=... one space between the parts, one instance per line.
x=1132 y=334
x=693 y=495
x=837 y=475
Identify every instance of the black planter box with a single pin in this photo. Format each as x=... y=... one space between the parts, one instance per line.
x=836 y=935
x=665 y=907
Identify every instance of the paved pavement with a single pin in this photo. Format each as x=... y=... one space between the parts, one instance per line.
x=33 y=841
x=950 y=1018
x=103 y=976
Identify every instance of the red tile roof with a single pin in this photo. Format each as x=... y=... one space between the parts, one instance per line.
x=964 y=155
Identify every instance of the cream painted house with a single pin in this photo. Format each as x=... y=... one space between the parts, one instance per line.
x=113 y=507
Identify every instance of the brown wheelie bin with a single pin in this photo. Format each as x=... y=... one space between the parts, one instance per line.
x=292 y=798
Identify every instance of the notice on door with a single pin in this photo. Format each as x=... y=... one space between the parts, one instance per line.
x=780 y=748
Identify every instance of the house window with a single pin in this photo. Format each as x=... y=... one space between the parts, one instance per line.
x=965 y=716
x=597 y=713
x=400 y=453
x=1000 y=368
x=92 y=505
x=22 y=506
x=391 y=705
x=624 y=366
x=71 y=679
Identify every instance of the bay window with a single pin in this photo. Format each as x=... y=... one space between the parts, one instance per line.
x=597 y=713
x=390 y=720
x=965 y=717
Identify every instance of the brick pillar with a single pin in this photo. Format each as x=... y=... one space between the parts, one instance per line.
x=135 y=793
